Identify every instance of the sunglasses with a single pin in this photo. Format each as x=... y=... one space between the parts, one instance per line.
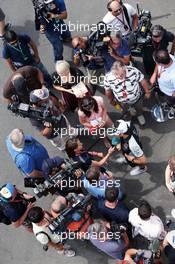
x=117 y=11
x=88 y=105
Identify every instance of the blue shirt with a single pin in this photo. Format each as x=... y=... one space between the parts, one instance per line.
x=122 y=51
x=20 y=54
x=118 y=214
x=31 y=157
x=61 y=7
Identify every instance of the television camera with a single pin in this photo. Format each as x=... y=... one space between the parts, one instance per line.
x=142 y=36
x=39 y=113
x=76 y=202
x=51 y=185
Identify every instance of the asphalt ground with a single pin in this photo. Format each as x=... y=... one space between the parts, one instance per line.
x=18 y=246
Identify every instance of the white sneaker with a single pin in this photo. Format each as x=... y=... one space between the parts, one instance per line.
x=171 y=113
x=141 y=120
x=121 y=160
x=137 y=170
x=66 y=252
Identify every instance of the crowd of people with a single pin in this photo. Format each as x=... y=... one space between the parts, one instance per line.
x=89 y=200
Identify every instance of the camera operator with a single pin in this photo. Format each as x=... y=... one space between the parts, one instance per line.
x=83 y=53
x=146 y=225
x=78 y=221
x=121 y=17
x=40 y=220
x=21 y=83
x=131 y=147
x=96 y=181
x=53 y=131
x=114 y=245
x=17 y=53
x=126 y=85
x=117 y=49
x=53 y=26
x=160 y=39
x=27 y=153
x=16 y=205
x=111 y=208
x=170 y=174
x=70 y=182
x=164 y=73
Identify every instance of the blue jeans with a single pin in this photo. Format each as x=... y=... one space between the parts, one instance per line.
x=47 y=77
x=56 y=38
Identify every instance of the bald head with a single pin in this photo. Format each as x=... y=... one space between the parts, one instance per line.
x=17 y=138
x=115 y=7
x=75 y=41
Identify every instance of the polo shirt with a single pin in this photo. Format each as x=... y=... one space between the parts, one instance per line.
x=118 y=214
x=151 y=229
x=31 y=157
x=118 y=22
x=121 y=51
x=20 y=54
x=166 y=78
x=113 y=248
x=126 y=90
x=30 y=74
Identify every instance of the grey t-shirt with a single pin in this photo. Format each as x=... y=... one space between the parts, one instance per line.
x=2 y=15
x=114 y=249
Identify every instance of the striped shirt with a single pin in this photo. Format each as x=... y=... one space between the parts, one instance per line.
x=126 y=90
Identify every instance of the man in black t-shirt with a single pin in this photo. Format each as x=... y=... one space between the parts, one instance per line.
x=160 y=39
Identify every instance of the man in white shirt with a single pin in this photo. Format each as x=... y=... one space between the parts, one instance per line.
x=121 y=17
x=145 y=223
x=165 y=74
x=40 y=221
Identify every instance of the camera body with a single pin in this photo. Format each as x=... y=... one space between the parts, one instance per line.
x=142 y=36
x=143 y=33
x=76 y=202
x=118 y=227
x=51 y=185
x=39 y=113
x=96 y=42
x=41 y=12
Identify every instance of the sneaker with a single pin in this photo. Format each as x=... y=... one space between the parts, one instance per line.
x=121 y=160
x=141 y=120
x=171 y=113
x=69 y=253
x=137 y=170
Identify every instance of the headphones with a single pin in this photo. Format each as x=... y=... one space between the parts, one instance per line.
x=110 y=2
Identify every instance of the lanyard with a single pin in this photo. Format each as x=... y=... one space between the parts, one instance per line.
x=19 y=50
x=162 y=69
x=124 y=92
x=123 y=22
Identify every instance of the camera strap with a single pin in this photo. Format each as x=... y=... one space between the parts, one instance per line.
x=127 y=16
